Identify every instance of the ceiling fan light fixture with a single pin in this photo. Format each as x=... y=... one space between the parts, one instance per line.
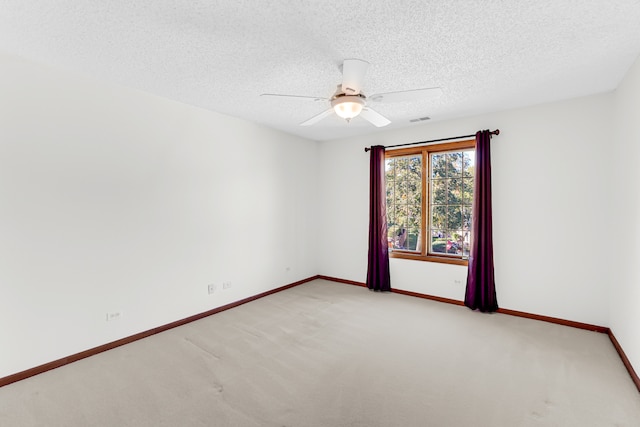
x=348 y=106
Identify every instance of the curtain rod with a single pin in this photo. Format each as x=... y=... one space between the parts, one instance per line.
x=495 y=132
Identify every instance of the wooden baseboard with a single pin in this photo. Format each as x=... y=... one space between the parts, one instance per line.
x=430 y=297
x=348 y=282
x=625 y=359
x=570 y=323
x=96 y=350
x=549 y=319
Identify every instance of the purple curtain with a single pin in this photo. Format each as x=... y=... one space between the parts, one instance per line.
x=378 y=268
x=481 y=287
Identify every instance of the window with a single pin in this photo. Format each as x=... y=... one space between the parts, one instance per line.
x=430 y=188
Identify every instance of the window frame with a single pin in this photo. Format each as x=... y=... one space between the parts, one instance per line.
x=425 y=151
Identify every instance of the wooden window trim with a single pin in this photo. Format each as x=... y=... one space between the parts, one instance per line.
x=425 y=150
x=430 y=258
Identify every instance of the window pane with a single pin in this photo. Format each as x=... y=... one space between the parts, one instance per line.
x=417 y=197
x=438 y=217
x=455 y=243
x=400 y=213
x=454 y=191
x=454 y=164
x=413 y=215
x=439 y=191
x=438 y=241
x=391 y=219
x=399 y=237
x=466 y=218
x=414 y=192
x=469 y=164
x=401 y=167
x=466 y=244
x=454 y=217
x=414 y=168
x=467 y=191
x=413 y=238
x=401 y=191
x=438 y=166
x=389 y=167
x=446 y=242
x=391 y=233
x=390 y=198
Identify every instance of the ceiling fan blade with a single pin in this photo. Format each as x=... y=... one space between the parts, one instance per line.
x=374 y=117
x=301 y=97
x=315 y=119
x=353 y=71
x=407 y=95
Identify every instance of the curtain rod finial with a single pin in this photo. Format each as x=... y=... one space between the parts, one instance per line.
x=496 y=132
x=366 y=149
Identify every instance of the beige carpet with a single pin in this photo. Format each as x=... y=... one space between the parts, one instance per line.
x=328 y=354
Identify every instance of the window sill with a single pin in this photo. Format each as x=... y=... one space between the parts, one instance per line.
x=429 y=258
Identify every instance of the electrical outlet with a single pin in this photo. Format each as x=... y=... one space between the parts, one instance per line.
x=457 y=281
x=211 y=288
x=226 y=285
x=114 y=315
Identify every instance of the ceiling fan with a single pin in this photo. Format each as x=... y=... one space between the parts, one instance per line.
x=348 y=101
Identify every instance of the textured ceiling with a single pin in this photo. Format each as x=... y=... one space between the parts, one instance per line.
x=221 y=55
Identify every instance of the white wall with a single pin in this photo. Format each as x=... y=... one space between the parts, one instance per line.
x=624 y=282
x=115 y=200
x=550 y=209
